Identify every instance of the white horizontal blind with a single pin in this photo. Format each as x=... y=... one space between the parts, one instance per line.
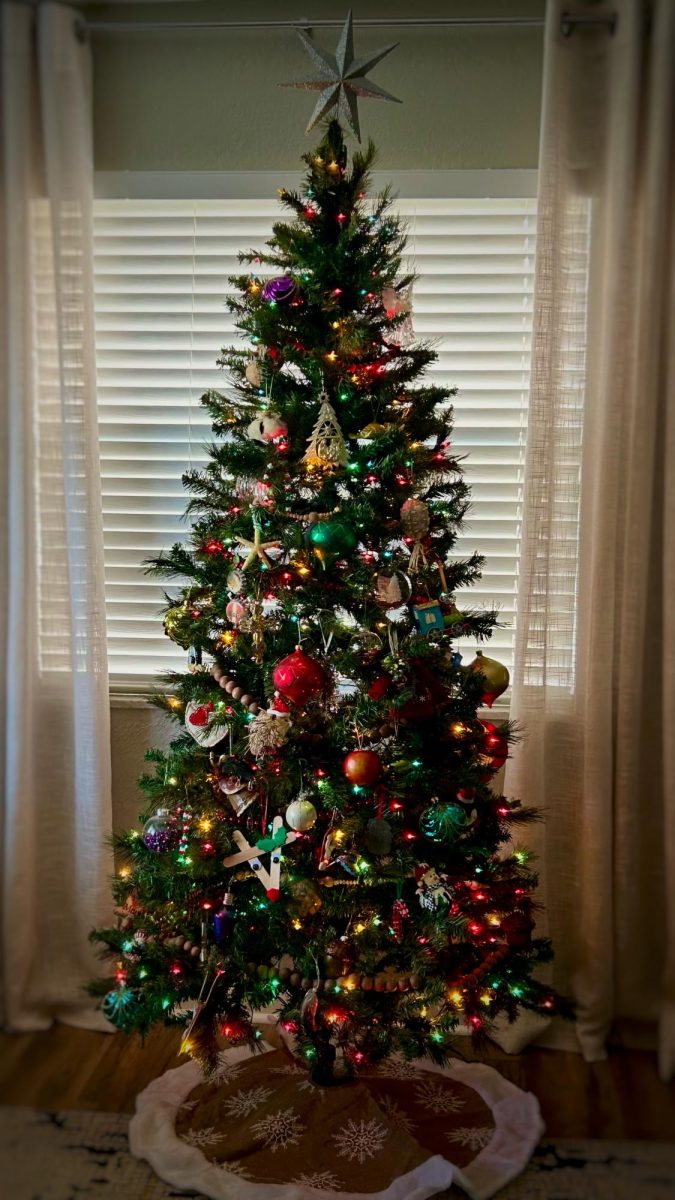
x=161 y=279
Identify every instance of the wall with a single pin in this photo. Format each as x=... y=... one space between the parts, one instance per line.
x=210 y=100
x=197 y=101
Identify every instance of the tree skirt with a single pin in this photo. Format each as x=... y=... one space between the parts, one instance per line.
x=258 y=1129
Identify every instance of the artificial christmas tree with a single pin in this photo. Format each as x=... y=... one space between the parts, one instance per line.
x=323 y=834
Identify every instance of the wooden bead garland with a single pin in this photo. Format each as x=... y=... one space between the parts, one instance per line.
x=233 y=689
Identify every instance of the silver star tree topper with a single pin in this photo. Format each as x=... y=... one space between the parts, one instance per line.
x=341 y=78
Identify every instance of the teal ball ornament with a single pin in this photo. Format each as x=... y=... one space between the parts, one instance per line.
x=331 y=539
x=119 y=1006
x=445 y=822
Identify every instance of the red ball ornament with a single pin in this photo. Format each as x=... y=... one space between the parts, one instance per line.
x=379 y=687
x=298 y=677
x=362 y=767
x=273 y=894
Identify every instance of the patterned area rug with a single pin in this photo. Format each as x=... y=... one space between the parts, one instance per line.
x=79 y=1155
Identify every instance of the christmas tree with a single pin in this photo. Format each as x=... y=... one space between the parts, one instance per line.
x=323 y=835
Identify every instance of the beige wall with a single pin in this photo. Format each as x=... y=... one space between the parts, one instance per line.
x=209 y=101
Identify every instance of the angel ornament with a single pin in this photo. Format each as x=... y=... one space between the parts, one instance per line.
x=415 y=526
x=397 y=302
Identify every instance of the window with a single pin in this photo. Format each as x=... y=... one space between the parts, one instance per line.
x=161 y=278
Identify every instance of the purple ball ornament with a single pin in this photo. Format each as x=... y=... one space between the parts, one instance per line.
x=160 y=832
x=279 y=289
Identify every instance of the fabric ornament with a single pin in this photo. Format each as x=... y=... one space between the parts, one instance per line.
x=378 y=836
x=432 y=887
x=204 y=724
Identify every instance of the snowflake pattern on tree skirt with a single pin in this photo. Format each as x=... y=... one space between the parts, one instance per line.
x=397 y=1115
x=304 y=1082
x=235 y=1168
x=245 y=1101
x=323 y=1181
x=475 y=1137
x=208 y=1136
x=360 y=1140
x=437 y=1098
x=397 y=1067
x=224 y=1070
x=279 y=1130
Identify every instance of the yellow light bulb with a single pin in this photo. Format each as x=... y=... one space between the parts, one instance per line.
x=456 y=997
x=228 y=637
x=125 y=872
x=205 y=825
x=493 y=919
x=297 y=924
x=486 y=998
x=174 y=702
x=359 y=928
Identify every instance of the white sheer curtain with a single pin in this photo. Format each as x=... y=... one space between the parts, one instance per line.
x=595 y=663
x=54 y=737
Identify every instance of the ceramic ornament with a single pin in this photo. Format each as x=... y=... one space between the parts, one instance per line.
x=204 y=724
x=266 y=427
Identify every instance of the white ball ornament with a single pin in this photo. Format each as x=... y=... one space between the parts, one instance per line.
x=301 y=815
x=266 y=427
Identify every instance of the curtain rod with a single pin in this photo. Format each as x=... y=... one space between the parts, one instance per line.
x=568 y=23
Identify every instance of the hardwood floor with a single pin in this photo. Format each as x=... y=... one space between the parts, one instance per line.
x=73 y=1068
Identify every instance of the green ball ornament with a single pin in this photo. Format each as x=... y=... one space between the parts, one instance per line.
x=446 y=821
x=331 y=539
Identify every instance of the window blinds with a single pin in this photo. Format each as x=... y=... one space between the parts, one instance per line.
x=161 y=278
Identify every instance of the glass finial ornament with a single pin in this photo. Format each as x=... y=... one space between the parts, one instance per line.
x=326 y=445
x=495 y=674
x=160 y=832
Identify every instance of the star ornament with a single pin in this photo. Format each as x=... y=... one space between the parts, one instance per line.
x=340 y=78
x=255 y=548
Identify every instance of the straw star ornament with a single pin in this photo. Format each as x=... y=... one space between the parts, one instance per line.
x=340 y=78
